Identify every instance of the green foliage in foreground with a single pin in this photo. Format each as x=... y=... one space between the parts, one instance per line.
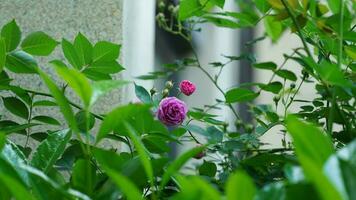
x=228 y=161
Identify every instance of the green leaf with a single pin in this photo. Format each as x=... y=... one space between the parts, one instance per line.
x=83 y=176
x=2 y=140
x=105 y=51
x=14 y=157
x=219 y=3
x=142 y=152
x=17 y=189
x=310 y=141
x=78 y=82
x=334 y=5
x=12 y=35
x=50 y=150
x=108 y=67
x=61 y=101
x=100 y=88
x=71 y=54
x=273 y=87
x=262 y=5
x=189 y=8
x=125 y=185
x=351 y=52
x=82 y=121
x=273 y=28
x=222 y=22
x=21 y=62
x=178 y=163
x=272 y=191
x=286 y=74
x=114 y=121
x=240 y=95
x=16 y=107
x=240 y=186
x=265 y=65
x=16 y=128
x=313 y=148
x=83 y=48
x=332 y=74
x=208 y=169
x=195 y=186
x=38 y=44
x=96 y=75
x=44 y=103
x=142 y=94
x=2 y=54
x=46 y=119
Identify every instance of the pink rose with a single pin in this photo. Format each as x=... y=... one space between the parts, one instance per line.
x=187 y=87
x=171 y=111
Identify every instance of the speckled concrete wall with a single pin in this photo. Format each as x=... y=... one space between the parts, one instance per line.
x=97 y=19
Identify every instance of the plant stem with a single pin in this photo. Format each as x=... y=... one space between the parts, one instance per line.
x=71 y=103
x=213 y=81
x=296 y=24
x=29 y=121
x=339 y=63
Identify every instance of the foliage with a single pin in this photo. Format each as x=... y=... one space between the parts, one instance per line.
x=69 y=161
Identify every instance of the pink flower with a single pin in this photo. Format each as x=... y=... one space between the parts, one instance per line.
x=171 y=111
x=187 y=87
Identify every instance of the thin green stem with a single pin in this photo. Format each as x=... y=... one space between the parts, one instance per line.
x=213 y=81
x=71 y=103
x=29 y=120
x=299 y=30
x=339 y=62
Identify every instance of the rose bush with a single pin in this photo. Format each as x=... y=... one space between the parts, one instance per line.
x=71 y=158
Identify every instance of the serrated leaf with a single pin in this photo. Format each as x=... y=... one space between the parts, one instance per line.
x=50 y=150
x=12 y=35
x=38 y=44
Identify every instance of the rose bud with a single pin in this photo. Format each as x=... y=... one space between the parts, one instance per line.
x=200 y=155
x=187 y=87
x=171 y=111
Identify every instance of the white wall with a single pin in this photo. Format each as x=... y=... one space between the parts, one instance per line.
x=138 y=41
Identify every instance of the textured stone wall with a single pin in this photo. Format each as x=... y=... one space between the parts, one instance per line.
x=97 y=19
